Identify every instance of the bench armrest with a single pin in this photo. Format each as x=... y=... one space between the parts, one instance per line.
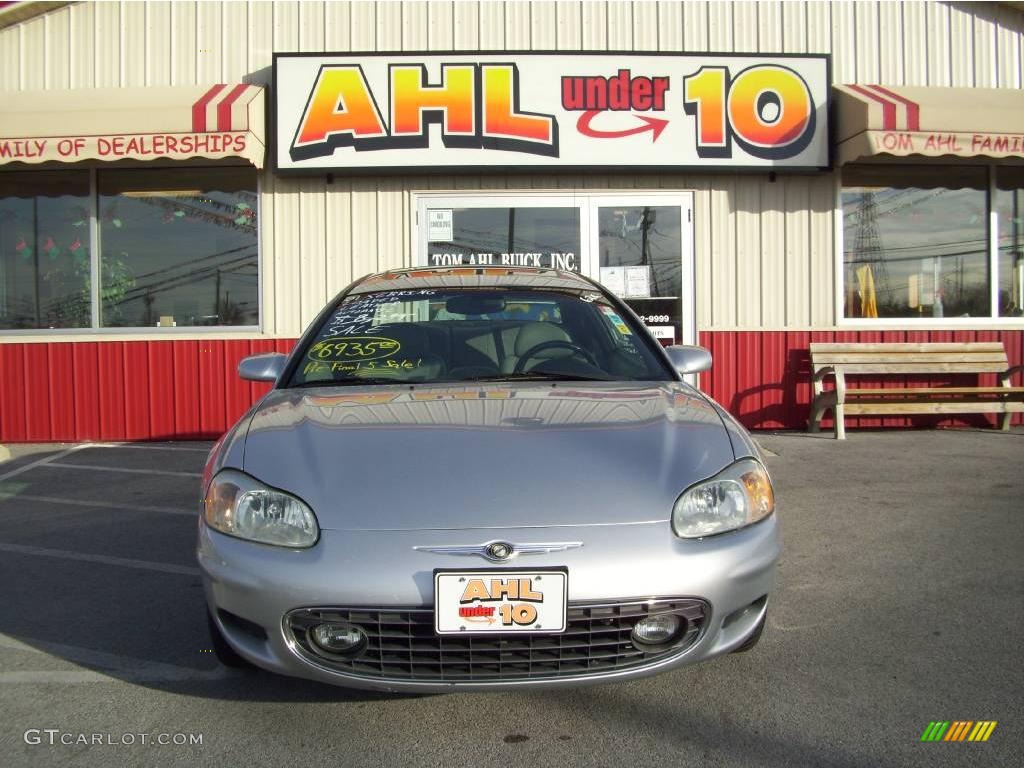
x=818 y=383
x=818 y=379
x=1004 y=378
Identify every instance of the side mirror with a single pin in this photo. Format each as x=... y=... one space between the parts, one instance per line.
x=687 y=359
x=267 y=367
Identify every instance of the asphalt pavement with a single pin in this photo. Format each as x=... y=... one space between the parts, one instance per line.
x=900 y=601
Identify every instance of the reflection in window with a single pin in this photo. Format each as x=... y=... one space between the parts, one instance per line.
x=647 y=238
x=178 y=247
x=44 y=250
x=522 y=237
x=641 y=260
x=915 y=242
x=1009 y=205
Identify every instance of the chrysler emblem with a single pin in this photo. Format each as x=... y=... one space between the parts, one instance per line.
x=499 y=550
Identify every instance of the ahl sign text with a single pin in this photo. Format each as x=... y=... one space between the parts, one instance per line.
x=360 y=112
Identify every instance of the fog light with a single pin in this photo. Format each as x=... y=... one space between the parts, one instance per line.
x=657 y=630
x=338 y=638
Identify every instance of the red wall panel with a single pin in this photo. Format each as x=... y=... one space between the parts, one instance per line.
x=136 y=402
x=212 y=375
x=12 y=392
x=86 y=387
x=113 y=369
x=37 y=396
x=168 y=389
x=238 y=394
x=61 y=392
x=160 y=394
x=187 y=389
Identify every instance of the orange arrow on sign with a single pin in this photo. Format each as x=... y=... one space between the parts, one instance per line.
x=654 y=124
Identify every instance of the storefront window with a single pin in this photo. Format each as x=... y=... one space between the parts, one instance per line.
x=44 y=250
x=1009 y=206
x=915 y=242
x=521 y=236
x=178 y=247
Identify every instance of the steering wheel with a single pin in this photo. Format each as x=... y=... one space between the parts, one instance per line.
x=554 y=344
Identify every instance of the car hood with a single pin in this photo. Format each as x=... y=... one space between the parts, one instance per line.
x=442 y=457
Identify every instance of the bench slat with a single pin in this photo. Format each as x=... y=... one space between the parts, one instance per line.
x=914 y=357
x=988 y=406
x=971 y=346
x=935 y=390
x=917 y=367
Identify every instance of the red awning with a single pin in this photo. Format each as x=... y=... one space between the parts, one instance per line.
x=215 y=122
x=904 y=121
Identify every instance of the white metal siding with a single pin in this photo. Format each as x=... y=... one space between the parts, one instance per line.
x=764 y=249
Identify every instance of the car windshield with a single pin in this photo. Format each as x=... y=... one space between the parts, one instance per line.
x=452 y=334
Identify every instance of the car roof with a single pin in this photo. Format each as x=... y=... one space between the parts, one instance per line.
x=471 y=277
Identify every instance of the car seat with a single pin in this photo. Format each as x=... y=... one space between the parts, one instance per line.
x=529 y=336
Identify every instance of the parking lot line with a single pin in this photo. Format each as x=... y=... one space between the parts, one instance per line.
x=72 y=676
x=98 y=468
x=121 y=668
x=101 y=504
x=147 y=447
x=42 y=462
x=23 y=549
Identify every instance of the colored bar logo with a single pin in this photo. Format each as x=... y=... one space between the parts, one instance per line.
x=958 y=730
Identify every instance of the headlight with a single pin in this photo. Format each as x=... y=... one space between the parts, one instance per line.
x=737 y=497
x=241 y=506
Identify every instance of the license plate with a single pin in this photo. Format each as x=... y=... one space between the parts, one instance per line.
x=491 y=601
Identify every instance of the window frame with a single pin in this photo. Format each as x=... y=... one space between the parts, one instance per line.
x=94 y=329
x=992 y=320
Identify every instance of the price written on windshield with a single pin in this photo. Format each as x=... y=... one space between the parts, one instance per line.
x=353 y=348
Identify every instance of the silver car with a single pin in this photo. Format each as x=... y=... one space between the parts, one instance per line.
x=483 y=478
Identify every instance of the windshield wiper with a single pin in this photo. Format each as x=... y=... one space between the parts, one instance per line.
x=528 y=376
x=537 y=376
x=349 y=382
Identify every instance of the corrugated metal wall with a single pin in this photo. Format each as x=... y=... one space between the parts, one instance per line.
x=159 y=390
x=135 y=390
x=764 y=250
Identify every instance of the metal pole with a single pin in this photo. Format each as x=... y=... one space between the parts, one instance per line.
x=1017 y=254
x=35 y=253
x=95 y=308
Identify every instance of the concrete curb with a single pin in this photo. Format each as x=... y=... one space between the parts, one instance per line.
x=5 y=454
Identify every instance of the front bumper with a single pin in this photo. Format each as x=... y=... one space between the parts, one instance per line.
x=250 y=588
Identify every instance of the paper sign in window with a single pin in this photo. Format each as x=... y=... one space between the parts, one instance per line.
x=440 y=228
x=614 y=279
x=638 y=282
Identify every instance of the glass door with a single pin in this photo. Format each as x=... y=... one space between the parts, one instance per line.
x=643 y=255
x=639 y=246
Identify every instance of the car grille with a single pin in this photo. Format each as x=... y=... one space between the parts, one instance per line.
x=402 y=645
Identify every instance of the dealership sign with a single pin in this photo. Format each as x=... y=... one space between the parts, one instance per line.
x=520 y=110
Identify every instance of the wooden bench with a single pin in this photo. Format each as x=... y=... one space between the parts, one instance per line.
x=877 y=360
